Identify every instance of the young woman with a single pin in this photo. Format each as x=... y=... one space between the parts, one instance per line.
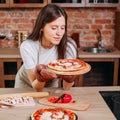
x=47 y=42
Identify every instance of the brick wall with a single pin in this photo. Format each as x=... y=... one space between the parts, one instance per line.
x=84 y=21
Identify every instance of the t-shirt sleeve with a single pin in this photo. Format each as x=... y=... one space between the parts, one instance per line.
x=28 y=55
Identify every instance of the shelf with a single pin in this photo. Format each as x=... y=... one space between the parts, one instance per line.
x=68 y=3
x=65 y=3
x=28 y=3
x=4 y=5
x=102 y=3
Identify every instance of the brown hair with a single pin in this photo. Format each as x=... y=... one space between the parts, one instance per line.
x=48 y=14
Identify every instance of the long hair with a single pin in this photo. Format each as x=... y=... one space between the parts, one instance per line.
x=48 y=14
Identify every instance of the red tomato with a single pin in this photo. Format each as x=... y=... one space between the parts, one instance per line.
x=37 y=118
x=52 y=99
x=67 y=98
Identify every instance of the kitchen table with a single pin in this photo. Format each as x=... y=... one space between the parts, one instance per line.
x=98 y=109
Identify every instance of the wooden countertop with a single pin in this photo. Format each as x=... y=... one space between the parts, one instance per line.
x=15 y=53
x=114 y=54
x=9 y=53
x=98 y=109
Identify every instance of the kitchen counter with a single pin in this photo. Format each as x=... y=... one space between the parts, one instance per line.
x=13 y=55
x=102 y=57
x=98 y=109
x=114 y=54
x=9 y=53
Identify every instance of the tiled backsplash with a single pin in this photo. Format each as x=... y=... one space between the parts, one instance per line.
x=84 y=21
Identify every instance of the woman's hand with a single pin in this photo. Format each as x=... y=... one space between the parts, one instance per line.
x=43 y=74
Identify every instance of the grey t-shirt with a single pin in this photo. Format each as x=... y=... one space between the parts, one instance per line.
x=33 y=53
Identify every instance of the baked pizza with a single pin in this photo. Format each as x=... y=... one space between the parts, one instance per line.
x=53 y=114
x=67 y=65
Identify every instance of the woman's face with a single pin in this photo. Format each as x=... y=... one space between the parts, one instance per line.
x=53 y=32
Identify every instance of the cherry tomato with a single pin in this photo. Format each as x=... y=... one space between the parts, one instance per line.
x=67 y=98
x=52 y=99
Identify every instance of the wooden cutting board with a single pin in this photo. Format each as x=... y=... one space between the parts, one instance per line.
x=31 y=94
x=77 y=105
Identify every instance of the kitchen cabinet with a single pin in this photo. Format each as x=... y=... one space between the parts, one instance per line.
x=4 y=3
x=112 y=57
x=102 y=3
x=27 y=3
x=10 y=62
x=117 y=29
x=68 y=3
x=9 y=68
x=65 y=3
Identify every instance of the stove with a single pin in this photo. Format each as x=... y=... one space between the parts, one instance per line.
x=112 y=99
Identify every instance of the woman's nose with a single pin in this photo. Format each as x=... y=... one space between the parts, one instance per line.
x=59 y=32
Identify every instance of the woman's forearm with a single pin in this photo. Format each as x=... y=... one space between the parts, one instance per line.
x=37 y=85
x=66 y=85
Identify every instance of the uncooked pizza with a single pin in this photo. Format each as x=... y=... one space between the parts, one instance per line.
x=16 y=101
x=53 y=114
x=67 y=65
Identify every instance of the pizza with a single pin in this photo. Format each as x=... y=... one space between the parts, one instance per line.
x=67 y=65
x=53 y=114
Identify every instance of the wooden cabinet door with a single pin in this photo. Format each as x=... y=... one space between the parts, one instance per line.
x=68 y=3
x=102 y=3
x=28 y=3
x=117 y=30
x=4 y=3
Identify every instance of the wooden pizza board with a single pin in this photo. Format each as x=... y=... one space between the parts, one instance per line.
x=77 y=105
x=80 y=72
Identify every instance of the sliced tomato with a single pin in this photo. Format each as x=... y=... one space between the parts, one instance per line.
x=52 y=99
x=37 y=118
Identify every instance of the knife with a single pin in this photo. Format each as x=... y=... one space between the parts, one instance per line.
x=62 y=96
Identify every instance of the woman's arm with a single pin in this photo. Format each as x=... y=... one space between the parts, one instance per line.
x=68 y=81
x=66 y=85
x=39 y=76
x=36 y=84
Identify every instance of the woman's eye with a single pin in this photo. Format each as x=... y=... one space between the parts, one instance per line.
x=54 y=28
x=63 y=28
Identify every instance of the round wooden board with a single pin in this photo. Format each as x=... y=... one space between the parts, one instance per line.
x=80 y=72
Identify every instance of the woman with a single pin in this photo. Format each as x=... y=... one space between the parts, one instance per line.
x=47 y=42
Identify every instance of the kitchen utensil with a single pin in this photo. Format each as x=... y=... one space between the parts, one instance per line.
x=31 y=94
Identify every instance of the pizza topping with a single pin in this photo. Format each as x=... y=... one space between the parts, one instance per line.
x=17 y=101
x=65 y=98
x=67 y=65
x=53 y=114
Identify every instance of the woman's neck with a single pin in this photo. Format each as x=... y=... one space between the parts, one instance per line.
x=46 y=45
